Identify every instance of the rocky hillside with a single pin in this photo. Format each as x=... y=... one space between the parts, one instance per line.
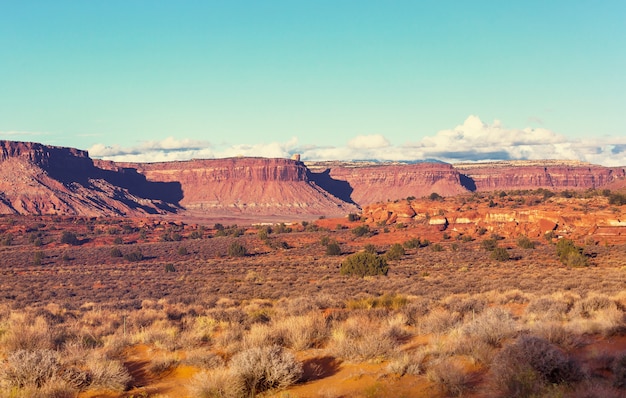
x=41 y=179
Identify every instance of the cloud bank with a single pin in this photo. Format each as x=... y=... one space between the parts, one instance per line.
x=474 y=140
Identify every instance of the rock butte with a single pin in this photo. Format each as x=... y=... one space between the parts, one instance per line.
x=41 y=179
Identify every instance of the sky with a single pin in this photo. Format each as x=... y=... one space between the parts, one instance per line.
x=150 y=80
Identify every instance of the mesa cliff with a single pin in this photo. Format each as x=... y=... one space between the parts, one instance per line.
x=242 y=185
x=43 y=179
x=549 y=174
x=386 y=182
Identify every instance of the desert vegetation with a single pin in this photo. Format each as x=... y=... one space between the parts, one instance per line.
x=488 y=313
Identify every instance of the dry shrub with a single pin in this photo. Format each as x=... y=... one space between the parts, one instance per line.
x=464 y=304
x=265 y=368
x=163 y=363
x=115 y=344
x=231 y=337
x=361 y=338
x=203 y=359
x=24 y=368
x=297 y=306
x=510 y=296
x=491 y=327
x=217 y=383
x=549 y=308
x=25 y=333
x=302 y=332
x=415 y=309
x=54 y=388
x=162 y=334
x=438 y=320
x=556 y=333
x=413 y=363
x=608 y=321
x=108 y=373
x=449 y=375
x=197 y=330
x=530 y=365
x=590 y=305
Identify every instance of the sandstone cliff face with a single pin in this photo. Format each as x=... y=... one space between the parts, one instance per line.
x=39 y=179
x=245 y=185
x=381 y=183
x=554 y=175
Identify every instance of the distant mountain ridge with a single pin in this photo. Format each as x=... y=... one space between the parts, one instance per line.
x=43 y=179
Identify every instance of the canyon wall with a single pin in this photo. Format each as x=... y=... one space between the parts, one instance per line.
x=243 y=185
x=554 y=175
x=388 y=182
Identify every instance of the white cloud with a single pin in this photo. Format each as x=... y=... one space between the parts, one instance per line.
x=474 y=140
x=374 y=141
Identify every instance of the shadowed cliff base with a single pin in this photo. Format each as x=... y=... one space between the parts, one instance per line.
x=338 y=188
x=467 y=182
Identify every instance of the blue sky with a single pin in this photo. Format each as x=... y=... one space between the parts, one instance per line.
x=156 y=80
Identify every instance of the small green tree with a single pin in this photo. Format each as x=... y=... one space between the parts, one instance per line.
x=361 y=230
x=369 y=248
x=353 y=217
x=525 y=243
x=364 y=264
x=500 y=254
x=395 y=252
x=236 y=249
x=134 y=256
x=570 y=254
x=489 y=244
x=69 y=238
x=333 y=249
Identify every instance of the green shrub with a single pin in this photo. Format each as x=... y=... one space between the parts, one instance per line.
x=134 y=256
x=236 y=249
x=369 y=248
x=500 y=254
x=412 y=243
x=6 y=240
x=170 y=268
x=118 y=240
x=333 y=249
x=570 y=254
x=525 y=243
x=436 y=247
x=617 y=199
x=353 y=217
x=38 y=257
x=182 y=251
x=435 y=196
x=115 y=252
x=489 y=244
x=364 y=264
x=395 y=252
x=69 y=238
x=361 y=230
